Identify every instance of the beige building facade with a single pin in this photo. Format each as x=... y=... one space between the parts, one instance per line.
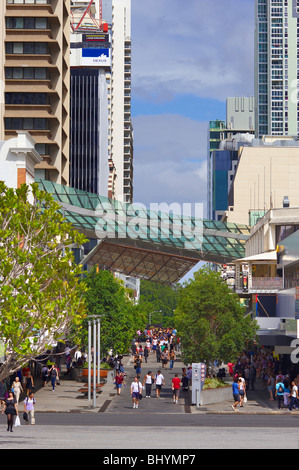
x=266 y=176
x=35 y=77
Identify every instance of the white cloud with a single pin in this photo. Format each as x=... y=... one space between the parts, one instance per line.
x=169 y=159
x=199 y=47
x=202 y=47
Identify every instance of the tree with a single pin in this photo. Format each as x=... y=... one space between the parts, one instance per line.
x=210 y=320
x=40 y=292
x=155 y=297
x=106 y=297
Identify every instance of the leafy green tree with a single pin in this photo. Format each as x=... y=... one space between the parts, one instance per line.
x=120 y=318
x=210 y=320
x=155 y=297
x=40 y=292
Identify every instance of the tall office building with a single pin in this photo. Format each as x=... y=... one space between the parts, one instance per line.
x=121 y=129
x=34 y=74
x=276 y=67
x=90 y=63
x=222 y=158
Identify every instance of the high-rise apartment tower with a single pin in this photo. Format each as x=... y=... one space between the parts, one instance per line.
x=121 y=142
x=34 y=79
x=276 y=67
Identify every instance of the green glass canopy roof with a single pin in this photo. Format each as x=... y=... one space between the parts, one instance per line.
x=145 y=243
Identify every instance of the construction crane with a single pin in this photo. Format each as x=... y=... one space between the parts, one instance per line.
x=97 y=24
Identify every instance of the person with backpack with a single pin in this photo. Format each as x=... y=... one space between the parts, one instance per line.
x=279 y=391
x=29 y=404
x=137 y=366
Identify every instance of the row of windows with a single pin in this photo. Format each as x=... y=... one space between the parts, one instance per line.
x=26 y=124
x=35 y=2
x=26 y=98
x=27 y=23
x=26 y=48
x=27 y=73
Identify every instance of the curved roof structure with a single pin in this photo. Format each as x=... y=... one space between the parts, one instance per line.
x=157 y=246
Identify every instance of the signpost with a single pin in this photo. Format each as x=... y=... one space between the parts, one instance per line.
x=198 y=379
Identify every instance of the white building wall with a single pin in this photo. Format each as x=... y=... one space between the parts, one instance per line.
x=121 y=31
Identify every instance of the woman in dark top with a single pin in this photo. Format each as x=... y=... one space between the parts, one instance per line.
x=10 y=409
x=29 y=384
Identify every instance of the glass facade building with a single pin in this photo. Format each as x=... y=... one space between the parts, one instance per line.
x=224 y=162
x=85 y=128
x=276 y=67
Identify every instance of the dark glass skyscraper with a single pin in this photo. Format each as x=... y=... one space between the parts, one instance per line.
x=85 y=129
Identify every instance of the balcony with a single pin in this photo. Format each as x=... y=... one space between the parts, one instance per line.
x=267 y=283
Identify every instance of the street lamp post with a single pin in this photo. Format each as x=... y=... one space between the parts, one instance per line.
x=96 y=356
x=99 y=350
x=89 y=360
x=94 y=362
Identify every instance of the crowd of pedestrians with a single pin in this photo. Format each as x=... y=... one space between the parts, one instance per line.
x=263 y=367
x=162 y=344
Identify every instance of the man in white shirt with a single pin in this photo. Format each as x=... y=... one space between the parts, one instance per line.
x=294 y=396
x=159 y=381
x=136 y=389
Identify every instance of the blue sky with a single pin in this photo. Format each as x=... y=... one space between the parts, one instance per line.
x=187 y=58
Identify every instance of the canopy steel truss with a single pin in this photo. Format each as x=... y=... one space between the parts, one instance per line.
x=150 y=245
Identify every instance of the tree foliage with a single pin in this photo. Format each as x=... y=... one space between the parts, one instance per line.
x=40 y=292
x=155 y=297
x=211 y=321
x=120 y=318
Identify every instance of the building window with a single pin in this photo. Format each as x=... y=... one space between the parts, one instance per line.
x=26 y=48
x=26 y=98
x=26 y=23
x=30 y=73
x=35 y=2
x=26 y=124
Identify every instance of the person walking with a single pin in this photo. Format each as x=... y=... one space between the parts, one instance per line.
x=176 y=385
x=10 y=409
x=29 y=383
x=3 y=392
x=159 y=381
x=172 y=359
x=17 y=389
x=147 y=382
x=119 y=380
x=29 y=404
x=146 y=351
x=293 y=396
x=279 y=394
x=236 y=394
x=242 y=389
x=158 y=352
x=137 y=366
x=136 y=391
x=45 y=374
x=165 y=357
x=53 y=373
x=271 y=386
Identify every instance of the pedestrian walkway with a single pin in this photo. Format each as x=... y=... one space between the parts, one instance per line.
x=67 y=398
x=258 y=403
x=164 y=404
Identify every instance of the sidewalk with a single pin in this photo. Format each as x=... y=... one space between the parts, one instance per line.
x=258 y=403
x=67 y=399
